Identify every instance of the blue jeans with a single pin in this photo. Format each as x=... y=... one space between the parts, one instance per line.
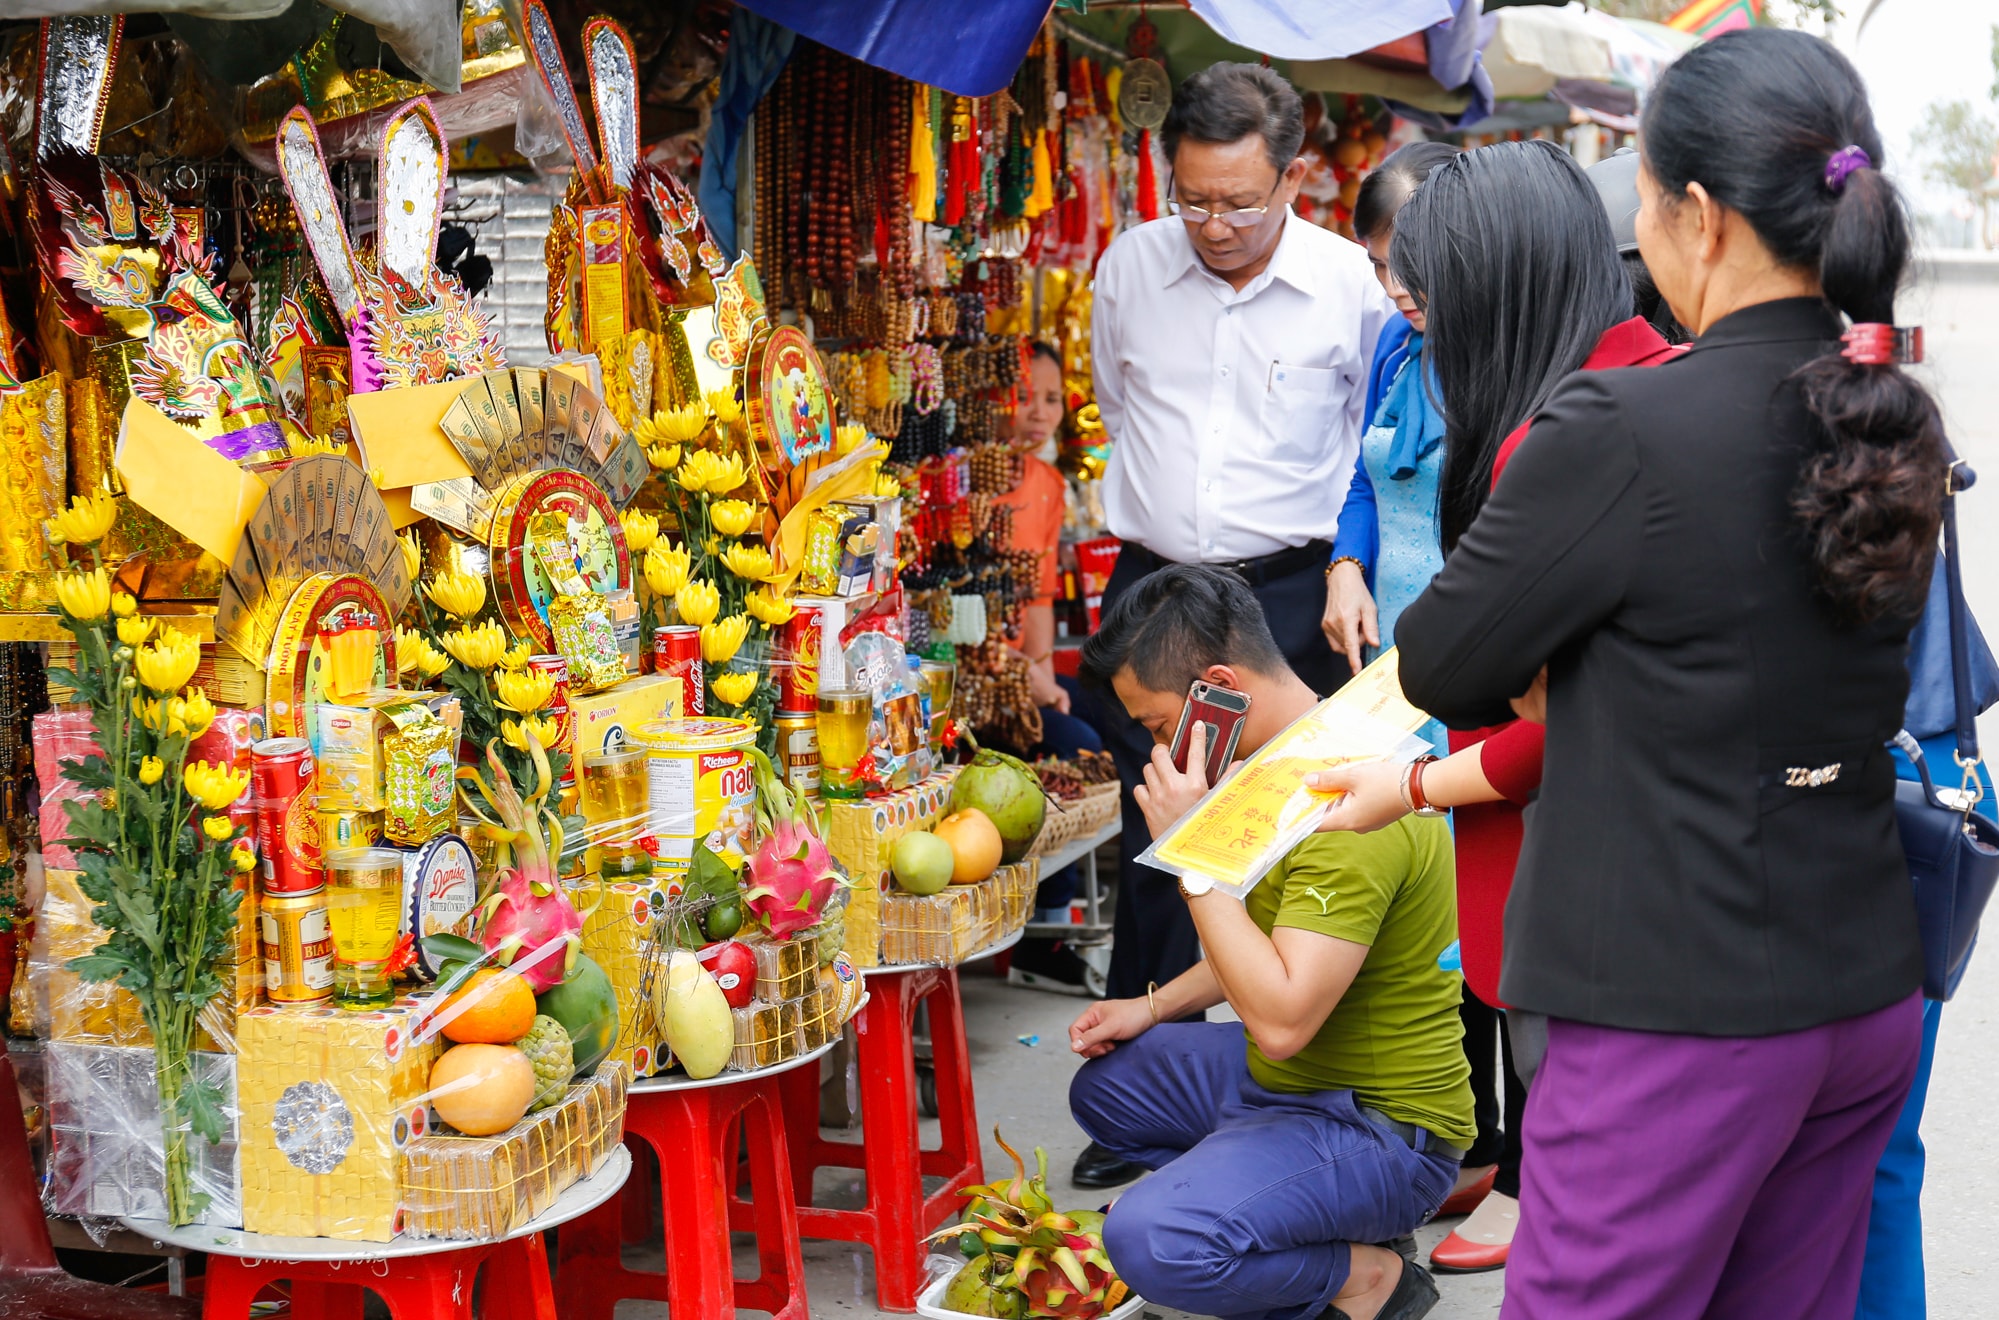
x=1891 y=1279
x=1265 y=1191
x=1064 y=736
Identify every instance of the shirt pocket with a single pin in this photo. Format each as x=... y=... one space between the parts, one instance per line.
x=1300 y=408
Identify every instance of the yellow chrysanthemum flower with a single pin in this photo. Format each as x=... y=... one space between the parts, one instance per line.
x=697 y=602
x=151 y=769
x=524 y=691
x=148 y=712
x=243 y=857
x=641 y=530
x=476 y=647
x=664 y=458
x=680 y=426
x=887 y=487
x=195 y=712
x=729 y=474
x=412 y=555
x=769 y=608
x=721 y=639
x=696 y=470
x=86 y=521
x=214 y=786
x=848 y=437
x=723 y=404
x=169 y=661
x=666 y=569
x=134 y=631
x=735 y=689
x=84 y=596
x=461 y=595
x=747 y=560
x=123 y=605
x=218 y=828
x=518 y=655
x=732 y=517
x=544 y=729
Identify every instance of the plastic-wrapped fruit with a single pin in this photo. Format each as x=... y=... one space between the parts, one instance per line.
x=587 y=1007
x=723 y=920
x=548 y=1048
x=694 y=1015
x=1010 y=795
x=481 y=1089
x=495 y=1007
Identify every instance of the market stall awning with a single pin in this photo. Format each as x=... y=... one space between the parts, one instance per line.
x=970 y=49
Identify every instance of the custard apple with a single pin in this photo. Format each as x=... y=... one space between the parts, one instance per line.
x=548 y=1048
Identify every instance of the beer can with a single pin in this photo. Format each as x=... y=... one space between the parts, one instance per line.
x=797 y=666
x=676 y=652
x=297 y=946
x=342 y=828
x=558 y=709
x=798 y=749
x=287 y=823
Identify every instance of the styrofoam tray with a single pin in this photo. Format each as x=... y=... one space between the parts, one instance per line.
x=930 y=1303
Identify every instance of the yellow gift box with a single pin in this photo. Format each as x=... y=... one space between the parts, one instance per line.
x=604 y=720
x=615 y=935
x=329 y=1099
x=861 y=836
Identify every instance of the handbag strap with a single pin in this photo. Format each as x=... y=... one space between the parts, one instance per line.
x=1959 y=477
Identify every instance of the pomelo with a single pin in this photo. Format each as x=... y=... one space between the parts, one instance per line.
x=976 y=846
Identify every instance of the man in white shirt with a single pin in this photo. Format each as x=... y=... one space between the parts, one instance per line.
x=1230 y=343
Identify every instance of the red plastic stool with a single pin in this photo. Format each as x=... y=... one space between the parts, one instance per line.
x=433 y=1286
x=898 y=1212
x=694 y=1131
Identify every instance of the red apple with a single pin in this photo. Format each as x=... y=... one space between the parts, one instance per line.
x=734 y=968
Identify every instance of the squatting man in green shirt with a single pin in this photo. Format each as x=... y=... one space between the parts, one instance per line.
x=1334 y=1115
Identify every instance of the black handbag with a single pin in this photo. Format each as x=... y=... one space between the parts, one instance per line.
x=1953 y=851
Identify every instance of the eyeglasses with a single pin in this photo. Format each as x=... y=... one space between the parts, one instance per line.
x=1240 y=218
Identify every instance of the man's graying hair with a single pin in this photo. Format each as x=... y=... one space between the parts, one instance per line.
x=1226 y=103
x=1176 y=623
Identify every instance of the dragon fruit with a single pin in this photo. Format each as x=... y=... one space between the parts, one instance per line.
x=524 y=908
x=792 y=875
x=1057 y=1261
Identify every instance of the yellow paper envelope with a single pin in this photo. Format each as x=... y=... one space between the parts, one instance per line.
x=172 y=475
x=399 y=434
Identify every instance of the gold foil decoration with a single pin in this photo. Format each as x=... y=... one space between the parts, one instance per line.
x=32 y=428
x=409 y=186
x=79 y=56
x=614 y=93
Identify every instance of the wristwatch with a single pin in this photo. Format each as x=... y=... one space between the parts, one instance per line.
x=1412 y=789
x=1193 y=886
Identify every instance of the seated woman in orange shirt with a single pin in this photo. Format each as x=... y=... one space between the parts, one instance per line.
x=1038 y=504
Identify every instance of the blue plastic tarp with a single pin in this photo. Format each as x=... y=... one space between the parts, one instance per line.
x=1319 y=29
x=970 y=47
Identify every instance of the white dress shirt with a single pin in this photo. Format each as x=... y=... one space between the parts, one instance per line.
x=1235 y=416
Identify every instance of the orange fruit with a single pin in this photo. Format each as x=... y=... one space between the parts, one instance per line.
x=975 y=844
x=495 y=1007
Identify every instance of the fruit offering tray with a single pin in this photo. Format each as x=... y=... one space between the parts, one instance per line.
x=959 y=925
x=1078 y=818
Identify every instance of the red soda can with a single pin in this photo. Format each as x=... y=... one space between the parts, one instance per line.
x=281 y=772
x=558 y=709
x=676 y=650
x=798 y=673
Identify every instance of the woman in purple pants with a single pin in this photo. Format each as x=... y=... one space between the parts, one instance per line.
x=1703 y=577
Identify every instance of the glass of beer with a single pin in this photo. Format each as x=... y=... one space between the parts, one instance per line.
x=844 y=716
x=615 y=802
x=364 y=909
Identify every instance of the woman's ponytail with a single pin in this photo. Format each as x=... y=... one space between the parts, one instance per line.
x=1870 y=499
x=1776 y=126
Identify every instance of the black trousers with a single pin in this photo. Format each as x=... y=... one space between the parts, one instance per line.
x=1153 y=933
x=1499 y=1097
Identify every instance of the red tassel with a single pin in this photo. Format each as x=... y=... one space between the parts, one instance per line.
x=1148 y=179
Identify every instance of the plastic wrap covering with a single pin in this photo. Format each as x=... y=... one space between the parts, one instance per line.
x=486 y=1187
x=60 y=735
x=766 y=1034
x=329 y=1100
x=861 y=835
x=424 y=34
x=616 y=937
x=106 y=1154
x=934 y=930
x=72 y=1009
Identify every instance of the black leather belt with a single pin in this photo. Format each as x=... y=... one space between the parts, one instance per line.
x=1419 y=1139
x=1260 y=571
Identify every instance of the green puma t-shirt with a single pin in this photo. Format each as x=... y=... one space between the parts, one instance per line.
x=1395 y=1039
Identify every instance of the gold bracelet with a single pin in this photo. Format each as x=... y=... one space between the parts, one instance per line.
x=1346 y=559
x=1150 y=1002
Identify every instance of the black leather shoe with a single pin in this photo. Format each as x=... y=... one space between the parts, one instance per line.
x=1097 y=1167
x=1404 y=1246
x=1415 y=1296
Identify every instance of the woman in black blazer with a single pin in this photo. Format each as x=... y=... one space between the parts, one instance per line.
x=1713 y=565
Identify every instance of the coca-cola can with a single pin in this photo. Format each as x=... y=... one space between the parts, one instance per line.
x=676 y=650
x=558 y=709
x=281 y=771
x=797 y=665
